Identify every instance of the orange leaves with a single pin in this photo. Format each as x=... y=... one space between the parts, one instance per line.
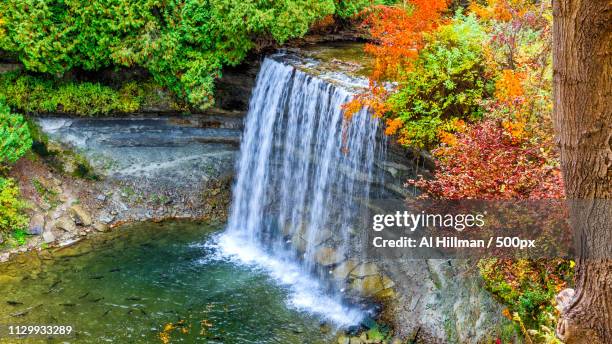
x=516 y=128
x=398 y=33
x=374 y=100
x=501 y=10
x=509 y=87
x=447 y=138
x=352 y=107
x=447 y=133
x=393 y=125
x=510 y=93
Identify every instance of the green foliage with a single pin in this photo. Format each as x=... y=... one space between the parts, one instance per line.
x=20 y=236
x=446 y=83
x=528 y=288
x=15 y=138
x=350 y=8
x=182 y=43
x=42 y=94
x=12 y=217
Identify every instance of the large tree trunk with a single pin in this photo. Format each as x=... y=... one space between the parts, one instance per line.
x=583 y=116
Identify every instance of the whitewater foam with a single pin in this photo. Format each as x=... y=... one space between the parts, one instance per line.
x=305 y=292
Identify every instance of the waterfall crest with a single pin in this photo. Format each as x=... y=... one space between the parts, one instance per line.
x=301 y=176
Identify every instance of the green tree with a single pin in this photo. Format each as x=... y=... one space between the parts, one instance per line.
x=183 y=43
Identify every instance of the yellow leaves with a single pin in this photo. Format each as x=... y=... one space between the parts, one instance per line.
x=501 y=10
x=479 y=10
x=510 y=92
x=374 y=101
x=352 y=107
x=404 y=141
x=495 y=9
x=447 y=133
x=164 y=335
x=516 y=129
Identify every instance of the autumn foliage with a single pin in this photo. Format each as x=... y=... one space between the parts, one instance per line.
x=486 y=162
x=398 y=34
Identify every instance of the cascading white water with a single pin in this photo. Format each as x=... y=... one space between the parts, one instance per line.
x=301 y=170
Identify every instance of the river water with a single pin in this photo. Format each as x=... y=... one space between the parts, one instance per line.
x=128 y=285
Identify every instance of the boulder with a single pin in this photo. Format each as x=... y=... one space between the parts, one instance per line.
x=48 y=237
x=365 y=269
x=65 y=223
x=100 y=227
x=301 y=239
x=321 y=236
x=386 y=294
x=106 y=218
x=368 y=286
x=355 y=340
x=328 y=256
x=298 y=243
x=37 y=224
x=80 y=215
x=342 y=271
x=387 y=282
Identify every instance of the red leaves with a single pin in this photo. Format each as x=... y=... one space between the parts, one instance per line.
x=486 y=163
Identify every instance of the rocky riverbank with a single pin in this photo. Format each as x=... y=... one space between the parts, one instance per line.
x=91 y=177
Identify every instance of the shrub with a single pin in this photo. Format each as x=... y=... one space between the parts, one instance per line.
x=37 y=94
x=15 y=138
x=446 y=84
x=12 y=217
x=528 y=288
x=486 y=162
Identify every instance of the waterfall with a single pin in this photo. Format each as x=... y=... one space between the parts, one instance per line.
x=302 y=172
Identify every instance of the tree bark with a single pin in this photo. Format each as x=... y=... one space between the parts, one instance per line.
x=582 y=116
